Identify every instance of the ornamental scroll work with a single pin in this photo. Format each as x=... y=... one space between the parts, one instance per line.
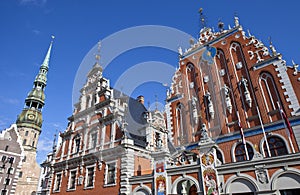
x=261 y=50
x=160 y=178
x=262 y=175
x=209 y=173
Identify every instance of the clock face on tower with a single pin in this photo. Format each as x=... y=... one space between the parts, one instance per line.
x=30 y=116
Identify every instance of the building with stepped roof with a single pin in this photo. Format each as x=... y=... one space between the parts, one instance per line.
x=230 y=126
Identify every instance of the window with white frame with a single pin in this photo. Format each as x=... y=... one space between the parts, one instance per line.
x=179 y=124
x=219 y=156
x=7 y=181
x=158 y=140
x=270 y=94
x=57 y=182
x=10 y=170
x=276 y=145
x=4 y=192
x=76 y=147
x=72 y=179
x=90 y=177
x=93 y=139
x=240 y=152
x=110 y=173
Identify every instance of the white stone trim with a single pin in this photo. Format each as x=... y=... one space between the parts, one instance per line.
x=169 y=121
x=142 y=187
x=86 y=176
x=234 y=146
x=222 y=153
x=113 y=163
x=69 y=179
x=280 y=172
x=242 y=177
x=55 y=182
x=287 y=85
x=182 y=178
x=261 y=143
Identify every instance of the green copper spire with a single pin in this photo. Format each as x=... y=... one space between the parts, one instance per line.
x=41 y=78
x=31 y=116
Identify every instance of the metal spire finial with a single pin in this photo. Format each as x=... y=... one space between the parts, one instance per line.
x=202 y=18
x=236 y=19
x=54 y=142
x=156 y=103
x=274 y=52
x=97 y=56
x=46 y=60
x=220 y=25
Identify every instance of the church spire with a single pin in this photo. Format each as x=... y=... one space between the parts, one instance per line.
x=31 y=116
x=41 y=78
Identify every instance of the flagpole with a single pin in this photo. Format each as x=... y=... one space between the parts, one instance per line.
x=264 y=132
x=242 y=135
x=287 y=126
x=293 y=149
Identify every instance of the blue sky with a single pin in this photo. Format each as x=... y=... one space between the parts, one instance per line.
x=27 y=25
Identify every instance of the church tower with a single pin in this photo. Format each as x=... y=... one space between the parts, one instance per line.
x=29 y=124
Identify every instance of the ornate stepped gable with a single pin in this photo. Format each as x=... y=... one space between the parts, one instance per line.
x=196 y=85
x=107 y=132
x=224 y=103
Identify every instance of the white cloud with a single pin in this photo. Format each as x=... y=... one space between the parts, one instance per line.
x=4 y=123
x=36 y=32
x=44 y=145
x=12 y=101
x=35 y=2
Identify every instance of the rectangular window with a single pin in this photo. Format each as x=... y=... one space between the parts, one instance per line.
x=93 y=140
x=77 y=145
x=4 y=192
x=6 y=148
x=111 y=171
x=45 y=183
x=3 y=158
x=57 y=182
x=90 y=177
x=6 y=181
x=10 y=170
x=24 y=159
x=72 y=180
x=11 y=160
x=20 y=174
x=26 y=133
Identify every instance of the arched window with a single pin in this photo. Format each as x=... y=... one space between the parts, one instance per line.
x=240 y=154
x=179 y=124
x=270 y=94
x=219 y=156
x=245 y=87
x=192 y=77
x=276 y=145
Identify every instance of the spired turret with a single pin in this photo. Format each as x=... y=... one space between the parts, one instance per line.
x=29 y=124
x=31 y=116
